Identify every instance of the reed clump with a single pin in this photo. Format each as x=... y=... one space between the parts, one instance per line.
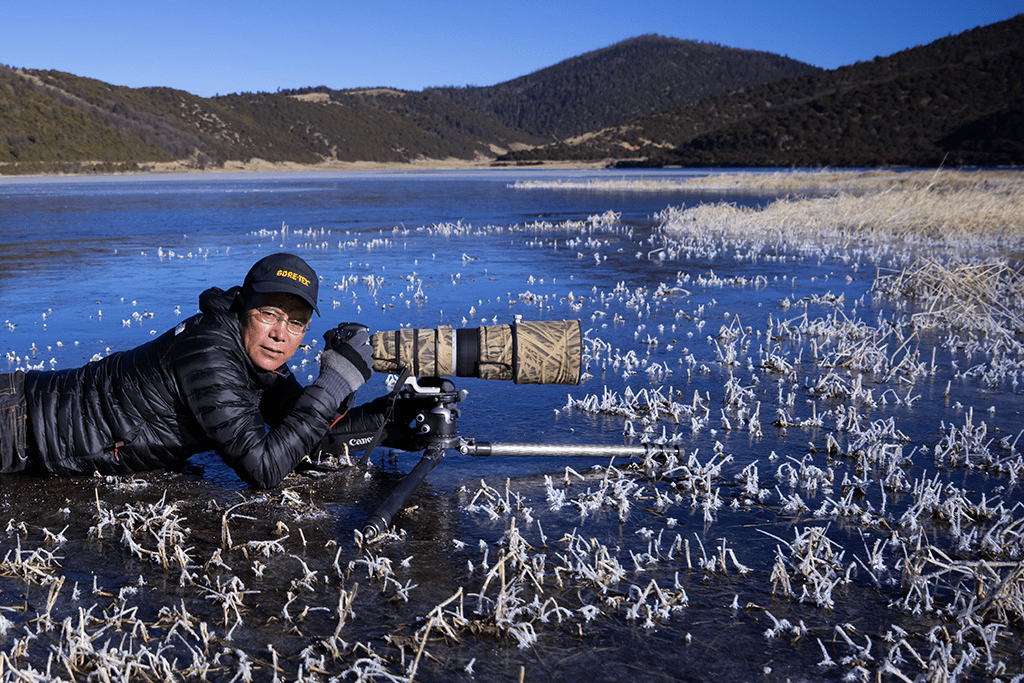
x=947 y=213
x=961 y=295
x=875 y=179
x=789 y=181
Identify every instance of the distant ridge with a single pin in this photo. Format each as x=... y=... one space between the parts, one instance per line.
x=958 y=100
x=616 y=84
x=57 y=122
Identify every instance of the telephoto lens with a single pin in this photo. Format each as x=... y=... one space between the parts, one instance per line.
x=539 y=352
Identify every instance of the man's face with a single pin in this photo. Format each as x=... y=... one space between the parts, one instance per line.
x=271 y=344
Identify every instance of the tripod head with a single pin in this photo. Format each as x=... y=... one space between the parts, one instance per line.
x=429 y=405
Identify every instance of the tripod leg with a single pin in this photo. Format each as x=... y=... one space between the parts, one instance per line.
x=380 y=520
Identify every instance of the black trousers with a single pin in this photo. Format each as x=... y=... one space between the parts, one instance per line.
x=13 y=423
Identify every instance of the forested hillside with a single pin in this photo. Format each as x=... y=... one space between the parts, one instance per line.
x=58 y=122
x=52 y=121
x=619 y=83
x=958 y=100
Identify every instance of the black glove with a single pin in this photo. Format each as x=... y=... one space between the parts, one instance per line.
x=347 y=362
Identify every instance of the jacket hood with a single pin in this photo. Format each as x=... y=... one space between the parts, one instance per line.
x=216 y=300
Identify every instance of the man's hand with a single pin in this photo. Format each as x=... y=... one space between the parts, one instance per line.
x=347 y=362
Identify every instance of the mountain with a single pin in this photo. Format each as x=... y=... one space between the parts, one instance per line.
x=959 y=99
x=646 y=101
x=54 y=121
x=616 y=84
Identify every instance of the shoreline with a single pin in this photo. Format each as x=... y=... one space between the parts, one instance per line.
x=714 y=179
x=263 y=166
x=164 y=168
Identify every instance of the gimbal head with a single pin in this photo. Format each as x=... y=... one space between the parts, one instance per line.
x=429 y=404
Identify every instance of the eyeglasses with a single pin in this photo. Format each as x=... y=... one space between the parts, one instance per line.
x=271 y=317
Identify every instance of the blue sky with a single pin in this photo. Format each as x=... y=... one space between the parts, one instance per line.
x=224 y=46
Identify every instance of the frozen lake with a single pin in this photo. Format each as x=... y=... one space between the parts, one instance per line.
x=651 y=571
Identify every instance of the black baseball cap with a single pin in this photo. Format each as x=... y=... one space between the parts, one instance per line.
x=284 y=273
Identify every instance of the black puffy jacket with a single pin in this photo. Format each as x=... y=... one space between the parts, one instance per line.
x=190 y=390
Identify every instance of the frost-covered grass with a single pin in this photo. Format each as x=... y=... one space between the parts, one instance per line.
x=951 y=210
